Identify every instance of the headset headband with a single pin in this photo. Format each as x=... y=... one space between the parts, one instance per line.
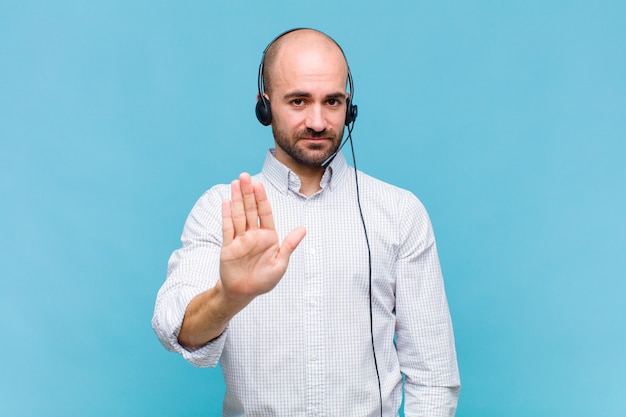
x=263 y=110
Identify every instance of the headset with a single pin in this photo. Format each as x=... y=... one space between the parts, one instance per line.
x=263 y=110
x=264 y=114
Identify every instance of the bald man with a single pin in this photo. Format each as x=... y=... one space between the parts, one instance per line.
x=311 y=307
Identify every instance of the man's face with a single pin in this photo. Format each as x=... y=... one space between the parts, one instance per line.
x=308 y=101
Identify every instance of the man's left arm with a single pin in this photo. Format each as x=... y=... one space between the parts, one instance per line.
x=424 y=335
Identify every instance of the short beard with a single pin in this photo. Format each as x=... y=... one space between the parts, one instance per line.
x=303 y=156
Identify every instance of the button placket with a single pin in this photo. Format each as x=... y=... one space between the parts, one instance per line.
x=315 y=314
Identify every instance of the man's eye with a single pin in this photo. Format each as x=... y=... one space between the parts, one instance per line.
x=297 y=102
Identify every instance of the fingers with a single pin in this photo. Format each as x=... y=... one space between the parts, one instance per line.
x=238 y=216
x=247 y=206
x=228 y=230
x=249 y=202
x=249 y=210
x=264 y=208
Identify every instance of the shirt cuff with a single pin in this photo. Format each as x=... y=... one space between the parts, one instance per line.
x=167 y=321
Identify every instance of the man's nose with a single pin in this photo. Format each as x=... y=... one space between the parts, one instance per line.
x=315 y=119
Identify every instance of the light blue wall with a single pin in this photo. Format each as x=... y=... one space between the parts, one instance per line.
x=508 y=120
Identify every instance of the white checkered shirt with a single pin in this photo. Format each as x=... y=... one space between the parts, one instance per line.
x=304 y=348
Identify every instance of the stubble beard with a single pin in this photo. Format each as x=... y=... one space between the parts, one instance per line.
x=307 y=156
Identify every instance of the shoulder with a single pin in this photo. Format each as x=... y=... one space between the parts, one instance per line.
x=214 y=195
x=376 y=191
x=207 y=210
x=397 y=212
x=394 y=208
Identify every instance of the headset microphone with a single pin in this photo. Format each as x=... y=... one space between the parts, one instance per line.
x=332 y=157
x=334 y=154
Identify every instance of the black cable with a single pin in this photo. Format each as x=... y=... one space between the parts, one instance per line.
x=369 y=260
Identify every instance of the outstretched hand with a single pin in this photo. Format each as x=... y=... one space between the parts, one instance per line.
x=252 y=260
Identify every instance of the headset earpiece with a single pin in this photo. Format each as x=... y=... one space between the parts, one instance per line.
x=351 y=112
x=263 y=111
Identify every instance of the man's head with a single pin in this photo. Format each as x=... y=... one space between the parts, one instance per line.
x=304 y=75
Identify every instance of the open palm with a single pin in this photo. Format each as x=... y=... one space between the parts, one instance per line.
x=252 y=261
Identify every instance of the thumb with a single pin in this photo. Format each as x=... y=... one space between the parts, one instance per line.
x=291 y=242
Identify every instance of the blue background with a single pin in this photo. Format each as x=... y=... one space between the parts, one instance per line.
x=507 y=119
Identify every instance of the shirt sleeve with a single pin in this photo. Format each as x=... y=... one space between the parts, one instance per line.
x=424 y=335
x=192 y=269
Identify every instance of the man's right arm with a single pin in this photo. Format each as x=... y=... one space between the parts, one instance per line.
x=252 y=262
x=207 y=316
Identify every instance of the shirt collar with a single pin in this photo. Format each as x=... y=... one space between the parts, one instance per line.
x=284 y=179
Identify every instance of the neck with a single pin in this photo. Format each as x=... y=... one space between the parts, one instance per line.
x=310 y=180
x=310 y=176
